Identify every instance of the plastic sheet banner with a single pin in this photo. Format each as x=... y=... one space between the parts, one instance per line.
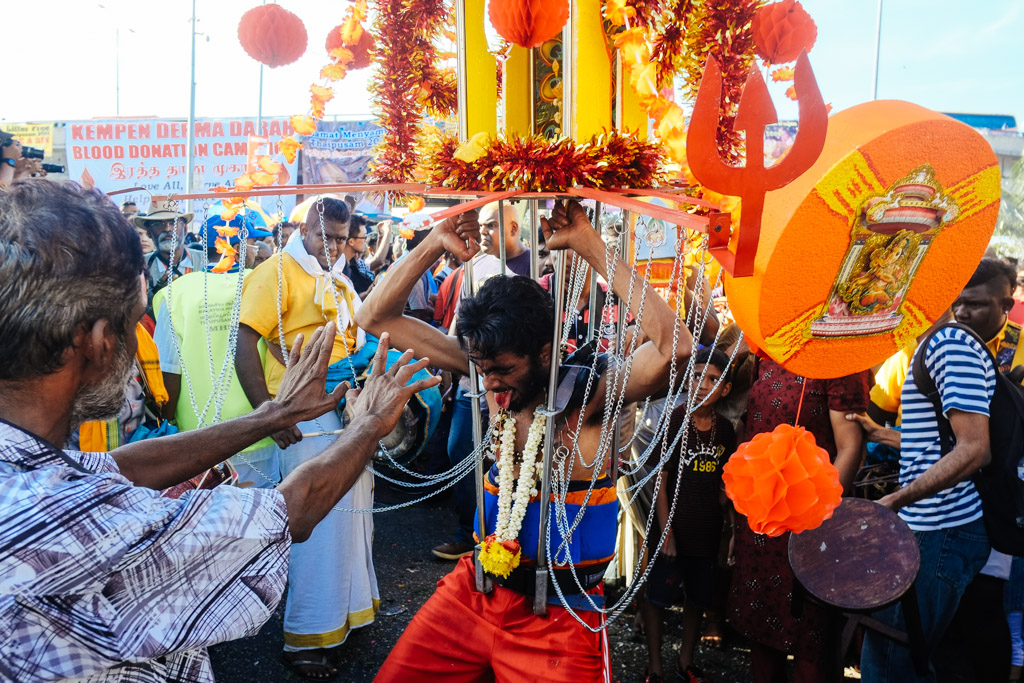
x=341 y=152
x=151 y=153
x=32 y=135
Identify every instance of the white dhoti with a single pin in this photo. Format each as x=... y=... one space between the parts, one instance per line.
x=332 y=587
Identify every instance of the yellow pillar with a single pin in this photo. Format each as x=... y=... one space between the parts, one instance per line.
x=477 y=73
x=592 y=75
x=631 y=117
x=518 y=93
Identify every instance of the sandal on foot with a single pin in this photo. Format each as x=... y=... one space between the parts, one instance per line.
x=311 y=665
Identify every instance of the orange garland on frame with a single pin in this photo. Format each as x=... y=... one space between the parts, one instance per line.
x=269 y=171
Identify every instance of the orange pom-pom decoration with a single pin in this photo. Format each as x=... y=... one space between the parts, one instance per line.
x=272 y=35
x=781 y=30
x=360 y=51
x=528 y=23
x=782 y=481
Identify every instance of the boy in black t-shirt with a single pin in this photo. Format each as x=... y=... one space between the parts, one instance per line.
x=688 y=557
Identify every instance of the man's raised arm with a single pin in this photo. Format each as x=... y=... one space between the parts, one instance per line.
x=164 y=462
x=384 y=310
x=569 y=228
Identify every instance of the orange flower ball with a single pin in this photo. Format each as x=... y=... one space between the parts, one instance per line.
x=782 y=30
x=360 y=51
x=528 y=23
x=272 y=35
x=782 y=481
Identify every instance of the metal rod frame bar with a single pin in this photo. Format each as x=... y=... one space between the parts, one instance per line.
x=540 y=599
x=595 y=323
x=501 y=236
x=619 y=327
x=534 y=241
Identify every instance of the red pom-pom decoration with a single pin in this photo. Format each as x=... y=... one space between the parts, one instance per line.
x=360 y=51
x=782 y=30
x=528 y=23
x=272 y=35
x=782 y=481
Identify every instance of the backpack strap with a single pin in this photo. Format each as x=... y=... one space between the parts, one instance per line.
x=926 y=384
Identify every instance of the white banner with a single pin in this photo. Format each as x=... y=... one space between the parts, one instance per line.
x=151 y=153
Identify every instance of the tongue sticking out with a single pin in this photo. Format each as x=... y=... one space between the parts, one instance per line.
x=503 y=399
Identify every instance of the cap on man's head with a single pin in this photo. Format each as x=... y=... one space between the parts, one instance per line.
x=250 y=225
x=159 y=212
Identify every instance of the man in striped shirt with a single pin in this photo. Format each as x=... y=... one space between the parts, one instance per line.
x=937 y=498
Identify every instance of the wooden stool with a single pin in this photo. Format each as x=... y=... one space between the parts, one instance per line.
x=862 y=559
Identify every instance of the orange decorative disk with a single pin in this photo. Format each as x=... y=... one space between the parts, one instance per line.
x=782 y=481
x=868 y=247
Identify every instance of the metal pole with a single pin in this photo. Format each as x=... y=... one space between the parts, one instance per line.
x=595 y=323
x=620 y=336
x=501 y=236
x=483 y=582
x=878 y=51
x=540 y=596
x=189 y=151
x=259 y=104
x=534 y=241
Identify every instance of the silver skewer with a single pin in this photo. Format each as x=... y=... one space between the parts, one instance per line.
x=540 y=596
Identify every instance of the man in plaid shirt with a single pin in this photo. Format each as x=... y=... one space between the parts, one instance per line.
x=101 y=578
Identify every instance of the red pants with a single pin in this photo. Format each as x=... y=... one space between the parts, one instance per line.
x=463 y=635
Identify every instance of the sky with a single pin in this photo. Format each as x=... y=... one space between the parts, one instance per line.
x=63 y=61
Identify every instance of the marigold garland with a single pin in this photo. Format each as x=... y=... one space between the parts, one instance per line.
x=610 y=159
x=500 y=551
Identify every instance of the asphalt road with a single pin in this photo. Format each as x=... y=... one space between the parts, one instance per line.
x=407 y=573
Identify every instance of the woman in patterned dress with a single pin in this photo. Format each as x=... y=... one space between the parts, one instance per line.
x=761 y=596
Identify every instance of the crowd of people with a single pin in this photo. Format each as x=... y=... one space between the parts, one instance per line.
x=179 y=443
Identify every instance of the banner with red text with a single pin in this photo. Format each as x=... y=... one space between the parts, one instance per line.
x=151 y=154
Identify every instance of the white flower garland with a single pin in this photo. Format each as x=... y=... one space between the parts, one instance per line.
x=510 y=516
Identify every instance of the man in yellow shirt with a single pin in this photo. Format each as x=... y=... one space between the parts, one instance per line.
x=332 y=585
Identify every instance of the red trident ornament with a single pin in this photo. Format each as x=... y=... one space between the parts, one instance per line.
x=751 y=182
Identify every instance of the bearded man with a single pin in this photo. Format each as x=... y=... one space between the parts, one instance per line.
x=505 y=331
x=101 y=577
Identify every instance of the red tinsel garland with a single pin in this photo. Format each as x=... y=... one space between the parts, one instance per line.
x=723 y=31
x=407 y=80
x=611 y=159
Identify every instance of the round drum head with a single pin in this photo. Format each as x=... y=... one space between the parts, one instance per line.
x=862 y=558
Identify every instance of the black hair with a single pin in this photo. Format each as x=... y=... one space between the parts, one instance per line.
x=709 y=355
x=52 y=281
x=358 y=220
x=508 y=314
x=417 y=237
x=335 y=210
x=990 y=271
x=125 y=204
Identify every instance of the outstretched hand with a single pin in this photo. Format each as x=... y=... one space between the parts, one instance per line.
x=303 y=393
x=386 y=392
x=567 y=226
x=460 y=235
